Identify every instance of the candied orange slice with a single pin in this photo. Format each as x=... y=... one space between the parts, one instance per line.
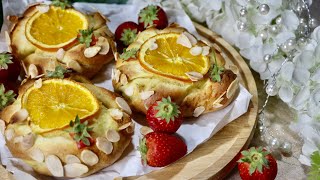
x=56 y=28
x=57 y=102
x=170 y=58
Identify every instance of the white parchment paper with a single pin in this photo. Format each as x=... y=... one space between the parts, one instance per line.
x=195 y=131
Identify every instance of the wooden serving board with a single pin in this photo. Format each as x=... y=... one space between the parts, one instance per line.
x=217 y=157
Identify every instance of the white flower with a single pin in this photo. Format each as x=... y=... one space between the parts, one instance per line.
x=286 y=93
x=300 y=100
x=290 y=20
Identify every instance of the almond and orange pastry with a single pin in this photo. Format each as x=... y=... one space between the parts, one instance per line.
x=67 y=127
x=172 y=62
x=57 y=34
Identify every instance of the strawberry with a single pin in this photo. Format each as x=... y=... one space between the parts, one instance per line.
x=80 y=133
x=257 y=164
x=5 y=61
x=14 y=70
x=153 y=16
x=164 y=116
x=160 y=149
x=6 y=96
x=126 y=33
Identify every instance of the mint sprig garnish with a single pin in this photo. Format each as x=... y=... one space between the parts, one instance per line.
x=6 y=97
x=5 y=59
x=80 y=131
x=148 y=15
x=216 y=70
x=85 y=36
x=61 y=3
x=58 y=72
x=167 y=109
x=128 y=54
x=128 y=36
x=314 y=173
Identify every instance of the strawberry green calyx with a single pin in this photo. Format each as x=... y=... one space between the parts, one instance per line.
x=61 y=3
x=167 y=110
x=143 y=150
x=148 y=15
x=127 y=54
x=128 y=36
x=80 y=131
x=216 y=70
x=256 y=158
x=85 y=36
x=5 y=59
x=6 y=97
x=58 y=72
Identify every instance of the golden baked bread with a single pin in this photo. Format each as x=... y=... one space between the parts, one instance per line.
x=54 y=152
x=199 y=91
x=79 y=57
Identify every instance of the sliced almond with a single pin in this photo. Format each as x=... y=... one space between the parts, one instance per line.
x=112 y=135
x=198 y=111
x=19 y=116
x=191 y=38
x=89 y=157
x=104 y=44
x=70 y=159
x=8 y=40
x=91 y=51
x=124 y=126
x=194 y=76
x=184 y=41
x=123 y=105
x=27 y=141
x=42 y=8
x=116 y=56
x=234 y=86
x=195 y=51
x=51 y=66
x=129 y=91
x=146 y=94
x=123 y=79
x=38 y=83
x=217 y=102
x=130 y=129
x=74 y=65
x=2 y=126
x=153 y=45
x=144 y=130
x=116 y=114
x=205 y=50
x=117 y=75
x=218 y=105
x=17 y=139
x=54 y=165
x=60 y=54
x=36 y=154
x=75 y=170
x=33 y=71
x=104 y=145
x=9 y=133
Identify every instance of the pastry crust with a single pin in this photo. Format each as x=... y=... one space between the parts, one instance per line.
x=46 y=59
x=59 y=143
x=204 y=93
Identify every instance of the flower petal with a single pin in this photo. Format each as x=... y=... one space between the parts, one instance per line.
x=300 y=99
x=258 y=66
x=305 y=60
x=290 y=20
x=286 y=93
x=287 y=71
x=300 y=76
x=283 y=37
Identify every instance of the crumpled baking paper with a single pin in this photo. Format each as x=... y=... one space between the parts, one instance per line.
x=202 y=128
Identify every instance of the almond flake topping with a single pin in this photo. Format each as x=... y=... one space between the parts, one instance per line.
x=112 y=135
x=42 y=8
x=146 y=94
x=234 y=86
x=195 y=51
x=19 y=116
x=27 y=141
x=9 y=133
x=117 y=75
x=54 y=165
x=33 y=71
x=129 y=91
x=38 y=83
x=75 y=170
x=36 y=154
x=104 y=145
x=124 y=126
x=194 y=76
x=130 y=129
x=184 y=41
x=60 y=54
x=198 y=111
x=153 y=45
x=123 y=79
x=205 y=50
x=74 y=65
x=116 y=114
x=104 y=44
x=70 y=159
x=144 y=130
x=89 y=157
x=191 y=38
x=91 y=51
x=123 y=105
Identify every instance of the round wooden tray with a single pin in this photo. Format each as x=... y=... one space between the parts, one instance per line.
x=217 y=157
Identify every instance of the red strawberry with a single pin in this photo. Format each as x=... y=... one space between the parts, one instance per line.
x=5 y=61
x=14 y=86
x=153 y=16
x=126 y=33
x=160 y=149
x=81 y=144
x=257 y=164
x=164 y=116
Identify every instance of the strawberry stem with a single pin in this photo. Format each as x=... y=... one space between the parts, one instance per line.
x=256 y=157
x=143 y=150
x=148 y=15
x=61 y=3
x=6 y=97
x=58 y=72
x=5 y=59
x=128 y=36
x=167 y=110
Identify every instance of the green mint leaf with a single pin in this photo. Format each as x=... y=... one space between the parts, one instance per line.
x=128 y=54
x=85 y=37
x=86 y=141
x=6 y=98
x=61 y=3
x=58 y=72
x=80 y=131
x=216 y=70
